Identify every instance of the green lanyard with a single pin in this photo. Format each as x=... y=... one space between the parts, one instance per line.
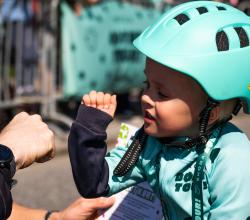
x=197 y=197
x=197 y=192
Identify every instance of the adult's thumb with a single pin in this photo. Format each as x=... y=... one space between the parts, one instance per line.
x=103 y=202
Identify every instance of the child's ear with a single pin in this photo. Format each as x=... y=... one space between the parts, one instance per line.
x=214 y=115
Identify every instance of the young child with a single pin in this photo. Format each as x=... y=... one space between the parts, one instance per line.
x=198 y=74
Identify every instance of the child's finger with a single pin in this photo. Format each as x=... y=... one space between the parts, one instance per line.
x=99 y=99
x=113 y=104
x=107 y=98
x=86 y=100
x=113 y=100
x=92 y=96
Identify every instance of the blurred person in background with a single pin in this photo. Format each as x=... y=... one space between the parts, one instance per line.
x=20 y=20
x=78 y=5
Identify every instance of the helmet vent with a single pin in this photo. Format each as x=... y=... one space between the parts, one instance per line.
x=244 y=40
x=182 y=18
x=202 y=10
x=220 y=8
x=222 y=41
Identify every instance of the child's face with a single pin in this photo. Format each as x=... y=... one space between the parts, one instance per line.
x=171 y=103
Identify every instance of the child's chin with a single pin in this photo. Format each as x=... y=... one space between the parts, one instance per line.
x=155 y=133
x=150 y=131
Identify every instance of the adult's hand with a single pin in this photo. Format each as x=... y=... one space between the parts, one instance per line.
x=83 y=209
x=29 y=138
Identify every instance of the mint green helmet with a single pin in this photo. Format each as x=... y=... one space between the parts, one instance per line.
x=208 y=41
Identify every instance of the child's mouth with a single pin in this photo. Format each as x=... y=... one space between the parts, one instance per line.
x=148 y=118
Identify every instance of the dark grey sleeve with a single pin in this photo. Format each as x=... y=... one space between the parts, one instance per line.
x=87 y=149
x=5 y=193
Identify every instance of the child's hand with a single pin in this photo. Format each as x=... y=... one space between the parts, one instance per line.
x=103 y=101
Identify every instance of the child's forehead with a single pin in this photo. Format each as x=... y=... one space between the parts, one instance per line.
x=160 y=72
x=168 y=77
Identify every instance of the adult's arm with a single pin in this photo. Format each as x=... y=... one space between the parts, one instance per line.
x=24 y=213
x=5 y=194
x=81 y=209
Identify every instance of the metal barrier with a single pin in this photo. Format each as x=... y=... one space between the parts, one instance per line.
x=29 y=55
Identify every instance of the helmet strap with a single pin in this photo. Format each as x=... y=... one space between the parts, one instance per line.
x=204 y=133
x=204 y=118
x=237 y=107
x=132 y=154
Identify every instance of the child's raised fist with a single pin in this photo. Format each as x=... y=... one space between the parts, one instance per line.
x=102 y=101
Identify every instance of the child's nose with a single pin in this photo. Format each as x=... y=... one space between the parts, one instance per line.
x=146 y=100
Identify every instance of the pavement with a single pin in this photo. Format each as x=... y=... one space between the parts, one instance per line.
x=51 y=186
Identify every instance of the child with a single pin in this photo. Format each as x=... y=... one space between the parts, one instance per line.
x=198 y=74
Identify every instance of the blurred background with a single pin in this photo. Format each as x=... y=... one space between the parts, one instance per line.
x=52 y=52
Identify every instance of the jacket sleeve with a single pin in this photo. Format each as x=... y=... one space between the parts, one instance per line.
x=230 y=183
x=5 y=194
x=87 y=149
x=92 y=171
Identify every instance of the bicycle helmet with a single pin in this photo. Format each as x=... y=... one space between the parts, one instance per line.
x=208 y=41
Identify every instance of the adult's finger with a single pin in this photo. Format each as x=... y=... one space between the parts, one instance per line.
x=50 y=153
x=36 y=117
x=21 y=116
x=100 y=203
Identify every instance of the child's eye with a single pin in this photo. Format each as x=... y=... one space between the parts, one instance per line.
x=162 y=95
x=146 y=83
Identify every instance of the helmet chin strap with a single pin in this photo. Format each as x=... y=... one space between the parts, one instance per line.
x=138 y=141
x=205 y=115
x=204 y=133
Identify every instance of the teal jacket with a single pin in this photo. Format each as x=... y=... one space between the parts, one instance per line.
x=168 y=170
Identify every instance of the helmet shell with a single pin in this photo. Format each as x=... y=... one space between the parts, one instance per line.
x=186 y=39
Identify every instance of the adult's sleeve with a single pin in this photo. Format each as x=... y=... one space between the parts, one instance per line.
x=87 y=149
x=5 y=194
x=230 y=183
